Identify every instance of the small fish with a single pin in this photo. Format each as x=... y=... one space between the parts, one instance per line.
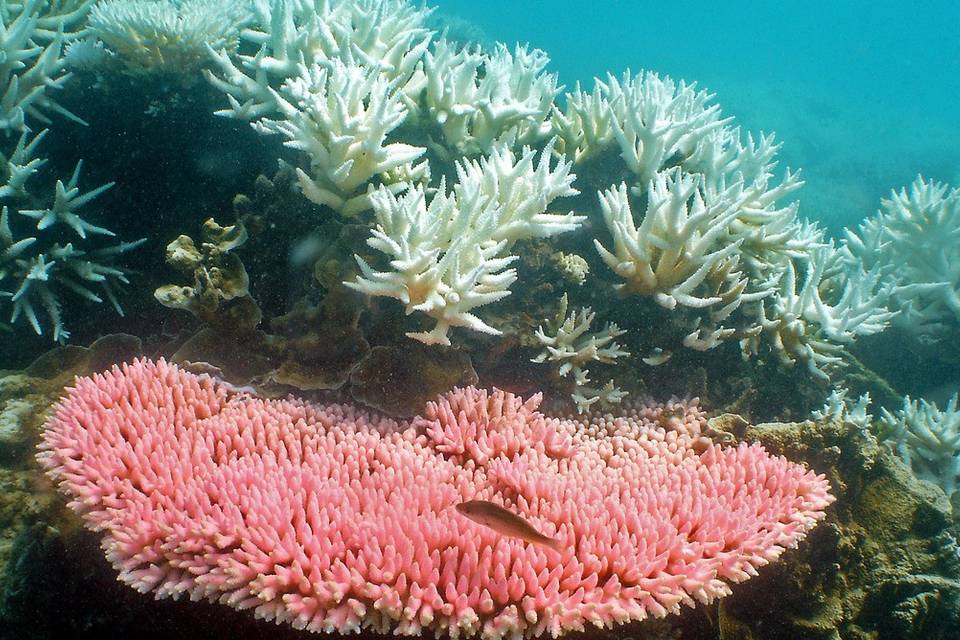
x=506 y=523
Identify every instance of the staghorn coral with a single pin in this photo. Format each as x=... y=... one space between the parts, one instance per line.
x=340 y=116
x=914 y=241
x=654 y=122
x=451 y=256
x=927 y=439
x=567 y=344
x=683 y=253
x=32 y=40
x=292 y=35
x=481 y=100
x=287 y=507
x=36 y=267
x=41 y=253
x=813 y=315
x=335 y=79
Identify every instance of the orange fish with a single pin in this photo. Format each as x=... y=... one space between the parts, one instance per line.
x=506 y=523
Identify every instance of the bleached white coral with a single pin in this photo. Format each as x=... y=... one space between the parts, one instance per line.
x=574 y=268
x=480 y=100
x=86 y=54
x=584 y=124
x=340 y=117
x=294 y=35
x=841 y=407
x=654 y=121
x=675 y=247
x=169 y=35
x=822 y=307
x=66 y=201
x=742 y=171
x=914 y=240
x=928 y=439
x=31 y=43
x=36 y=270
x=568 y=344
x=452 y=255
x=334 y=78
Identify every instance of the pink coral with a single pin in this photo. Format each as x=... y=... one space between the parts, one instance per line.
x=331 y=518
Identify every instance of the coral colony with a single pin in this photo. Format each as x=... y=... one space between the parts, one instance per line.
x=333 y=519
x=453 y=158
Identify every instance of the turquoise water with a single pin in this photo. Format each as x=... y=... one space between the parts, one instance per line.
x=864 y=95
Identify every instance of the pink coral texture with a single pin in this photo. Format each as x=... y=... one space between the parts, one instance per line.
x=331 y=518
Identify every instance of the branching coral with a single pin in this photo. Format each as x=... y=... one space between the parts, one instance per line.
x=654 y=121
x=334 y=79
x=37 y=265
x=451 y=256
x=31 y=41
x=822 y=307
x=480 y=100
x=567 y=344
x=386 y=35
x=36 y=269
x=683 y=252
x=340 y=117
x=914 y=241
x=167 y=35
x=928 y=439
x=717 y=242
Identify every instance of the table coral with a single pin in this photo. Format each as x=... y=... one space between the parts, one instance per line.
x=330 y=518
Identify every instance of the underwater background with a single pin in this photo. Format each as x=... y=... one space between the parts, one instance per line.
x=798 y=347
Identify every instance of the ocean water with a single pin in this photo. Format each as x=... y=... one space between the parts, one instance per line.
x=863 y=94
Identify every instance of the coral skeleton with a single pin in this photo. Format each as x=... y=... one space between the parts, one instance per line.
x=568 y=344
x=452 y=255
x=167 y=35
x=928 y=440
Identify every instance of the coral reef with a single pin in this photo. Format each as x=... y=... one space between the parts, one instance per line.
x=332 y=519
